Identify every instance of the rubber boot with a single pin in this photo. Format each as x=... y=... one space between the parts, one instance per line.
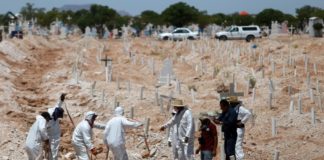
x=232 y=157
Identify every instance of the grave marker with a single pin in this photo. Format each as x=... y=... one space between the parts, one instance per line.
x=299 y=104
x=274 y=125
x=107 y=64
x=231 y=92
x=313 y=116
x=166 y=74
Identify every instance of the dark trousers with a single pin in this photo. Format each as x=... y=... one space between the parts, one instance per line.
x=229 y=144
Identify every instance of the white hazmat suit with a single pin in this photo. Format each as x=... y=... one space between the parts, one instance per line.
x=243 y=115
x=172 y=138
x=36 y=136
x=184 y=126
x=114 y=134
x=82 y=137
x=54 y=133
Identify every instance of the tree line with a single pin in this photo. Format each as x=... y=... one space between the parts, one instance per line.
x=178 y=14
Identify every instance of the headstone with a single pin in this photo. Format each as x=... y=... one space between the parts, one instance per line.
x=157 y=97
x=87 y=32
x=166 y=72
x=132 y=113
x=291 y=106
x=108 y=68
x=300 y=104
x=313 y=20
x=320 y=105
x=94 y=32
x=63 y=32
x=93 y=86
x=313 y=116
x=315 y=68
x=274 y=127
x=147 y=126
x=141 y=93
x=192 y=95
x=178 y=87
x=231 y=92
x=270 y=100
x=276 y=155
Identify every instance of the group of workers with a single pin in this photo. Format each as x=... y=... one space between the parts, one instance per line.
x=45 y=133
x=182 y=131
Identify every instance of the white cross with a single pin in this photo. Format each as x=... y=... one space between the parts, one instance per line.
x=291 y=28
x=231 y=92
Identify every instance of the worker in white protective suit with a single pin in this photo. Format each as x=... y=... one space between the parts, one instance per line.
x=82 y=137
x=37 y=137
x=242 y=117
x=172 y=138
x=54 y=130
x=114 y=134
x=184 y=130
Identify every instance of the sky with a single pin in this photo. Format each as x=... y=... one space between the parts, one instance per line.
x=135 y=7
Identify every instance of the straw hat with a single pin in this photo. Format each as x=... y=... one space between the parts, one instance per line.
x=232 y=99
x=177 y=103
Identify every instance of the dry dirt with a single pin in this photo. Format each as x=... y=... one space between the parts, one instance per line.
x=35 y=71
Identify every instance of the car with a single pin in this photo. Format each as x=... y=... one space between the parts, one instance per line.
x=240 y=32
x=179 y=34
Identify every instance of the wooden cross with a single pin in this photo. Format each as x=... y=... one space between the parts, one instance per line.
x=231 y=92
x=106 y=60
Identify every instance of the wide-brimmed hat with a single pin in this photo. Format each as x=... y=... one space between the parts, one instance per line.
x=177 y=103
x=232 y=99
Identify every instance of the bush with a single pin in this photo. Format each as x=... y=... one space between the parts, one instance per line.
x=318 y=26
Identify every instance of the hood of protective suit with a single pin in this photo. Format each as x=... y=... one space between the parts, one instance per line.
x=119 y=111
x=89 y=115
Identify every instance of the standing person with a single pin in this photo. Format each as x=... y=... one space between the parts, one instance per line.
x=184 y=128
x=37 y=136
x=172 y=138
x=114 y=134
x=242 y=117
x=54 y=130
x=228 y=120
x=208 y=139
x=82 y=137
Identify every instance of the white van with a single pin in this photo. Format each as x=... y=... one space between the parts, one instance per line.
x=240 y=32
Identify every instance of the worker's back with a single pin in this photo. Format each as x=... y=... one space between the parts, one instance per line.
x=114 y=131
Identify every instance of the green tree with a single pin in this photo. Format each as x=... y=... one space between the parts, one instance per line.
x=238 y=19
x=46 y=18
x=203 y=19
x=149 y=16
x=180 y=14
x=267 y=15
x=218 y=18
x=305 y=12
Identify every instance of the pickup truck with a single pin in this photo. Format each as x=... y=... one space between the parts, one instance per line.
x=179 y=34
x=240 y=32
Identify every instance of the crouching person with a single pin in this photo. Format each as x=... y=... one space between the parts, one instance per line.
x=37 y=136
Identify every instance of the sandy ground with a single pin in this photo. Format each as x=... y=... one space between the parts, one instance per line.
x=35 y=71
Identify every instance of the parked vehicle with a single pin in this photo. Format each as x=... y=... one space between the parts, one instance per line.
x=179 y=34
x=240 y=32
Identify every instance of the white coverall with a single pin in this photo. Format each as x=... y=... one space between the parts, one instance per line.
x=82 y=140
x=243 y=115
x=114 y=134
x=36 y=136
x=54 y=132
x=184 y=126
